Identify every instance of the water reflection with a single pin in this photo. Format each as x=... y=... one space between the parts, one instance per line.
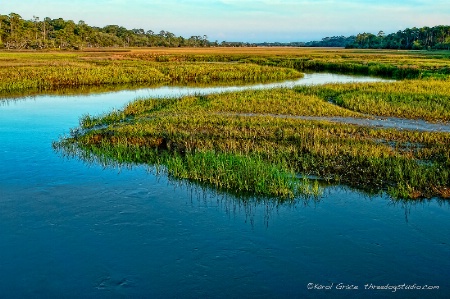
x=73 y=91
x=99 y=89
x=256 y=210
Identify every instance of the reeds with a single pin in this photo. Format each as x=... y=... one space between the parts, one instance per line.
x=48 y=71
x=413 y=99
x=21 y=73
x=238 y=173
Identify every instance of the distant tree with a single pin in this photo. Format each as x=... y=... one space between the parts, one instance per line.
x=411 y=38
x=2 y=28
x=334 y=41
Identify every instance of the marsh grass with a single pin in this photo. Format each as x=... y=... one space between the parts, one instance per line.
x=238 y=173
x=385 y=63
x=20 y=78
x=20 y=72
x=413 y=99
x=51 y=70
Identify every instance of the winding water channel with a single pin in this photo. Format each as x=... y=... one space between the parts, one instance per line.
x=71 y=229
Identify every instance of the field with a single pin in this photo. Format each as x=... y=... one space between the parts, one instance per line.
x=253 y=141
x=27 y=72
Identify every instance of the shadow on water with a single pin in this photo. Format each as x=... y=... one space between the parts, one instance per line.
x=85 y=90
x=71 y=91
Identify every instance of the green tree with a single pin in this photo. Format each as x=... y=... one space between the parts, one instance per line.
x=2 y=29
x=59 y=33
x=15 y=30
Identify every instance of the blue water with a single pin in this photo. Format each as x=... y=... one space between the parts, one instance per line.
x=77 y=230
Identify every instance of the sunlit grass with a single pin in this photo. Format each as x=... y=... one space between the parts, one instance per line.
x=50 y=70
x=414 y=99
x=21 y=72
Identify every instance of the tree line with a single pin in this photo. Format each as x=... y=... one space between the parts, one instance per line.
x=425 y=38
x=17 y=33
x=334 y=41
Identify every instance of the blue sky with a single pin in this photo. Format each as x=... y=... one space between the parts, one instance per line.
x=244 y=20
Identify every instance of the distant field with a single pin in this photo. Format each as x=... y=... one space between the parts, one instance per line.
x=49 y=70
x=398 y=57
x=22 y=71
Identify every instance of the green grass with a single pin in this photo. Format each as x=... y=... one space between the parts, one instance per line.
x=412 y=99
x=238 y=173
x=23 y=72
x=34 y=71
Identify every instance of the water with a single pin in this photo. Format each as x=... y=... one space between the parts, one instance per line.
x=69 y=229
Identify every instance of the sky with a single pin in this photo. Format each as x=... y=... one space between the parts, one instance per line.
x=243 y=20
